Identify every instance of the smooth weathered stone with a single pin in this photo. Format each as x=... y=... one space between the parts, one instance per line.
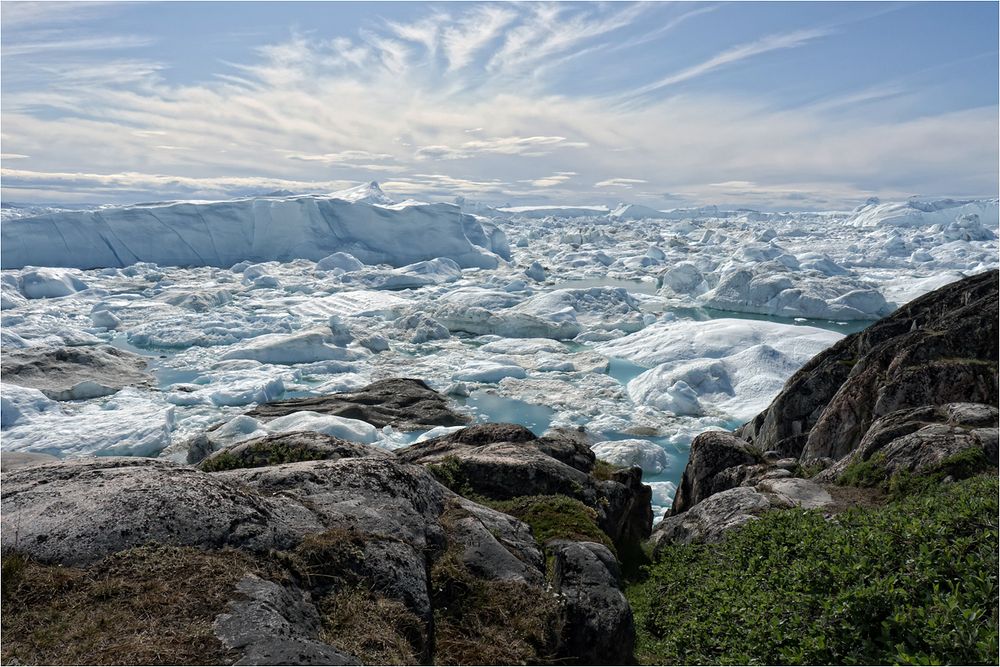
x=287 y=448
x=712 y=518
x=712 y=453
x=272 y=624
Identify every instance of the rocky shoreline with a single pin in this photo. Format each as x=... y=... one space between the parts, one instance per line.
x=487 y=545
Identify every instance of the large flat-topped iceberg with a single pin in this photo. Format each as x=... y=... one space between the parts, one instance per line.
x=920 y=213
x=362 y=222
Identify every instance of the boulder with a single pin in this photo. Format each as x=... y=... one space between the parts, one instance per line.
x=599 y=628
x=795 y=492
x=77 y=512
x=712 y=518
x=75 y=373
x=712 y=453
x=920 y=440
x=319 y=529
x=403 y=403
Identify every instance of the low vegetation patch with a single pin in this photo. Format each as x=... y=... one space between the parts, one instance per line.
x=449 y=472
x=554 y=517
x=262 y=454
x=913 y=582
x=377 y=630
x=603 y=470
x=874 y=473
x=868 y=472
x=146 y=606
x=488 y=622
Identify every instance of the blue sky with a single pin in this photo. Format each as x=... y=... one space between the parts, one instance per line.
x=768 y=105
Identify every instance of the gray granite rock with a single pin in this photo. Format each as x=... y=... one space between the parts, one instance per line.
x=712 y=518
x=279 y=448
x=271 y=624
x=599 y=628
x=940 y=348
x=77 y=512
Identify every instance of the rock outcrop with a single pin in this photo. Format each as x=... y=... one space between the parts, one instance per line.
x=915 y=393
x=350 y=523
x=599 y=630
x=75 y=373
x=506 y=461
x=403 y=403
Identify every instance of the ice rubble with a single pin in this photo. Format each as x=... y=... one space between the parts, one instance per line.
x=362 y=223
x=730 y=366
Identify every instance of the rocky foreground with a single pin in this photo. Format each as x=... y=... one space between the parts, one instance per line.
x=488 y=545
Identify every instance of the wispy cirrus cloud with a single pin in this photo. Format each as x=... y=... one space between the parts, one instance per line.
x=528 y=146
x=557 y=178
x=467 y=99
x=734 y=55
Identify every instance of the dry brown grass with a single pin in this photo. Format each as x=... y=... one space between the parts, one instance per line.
x=151 y=605
x=481 y=622
x=377 y=630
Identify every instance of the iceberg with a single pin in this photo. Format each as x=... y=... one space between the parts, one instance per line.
x=920 y=213
x=255 y=229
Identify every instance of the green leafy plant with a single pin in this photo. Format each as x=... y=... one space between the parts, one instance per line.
x=912 y=582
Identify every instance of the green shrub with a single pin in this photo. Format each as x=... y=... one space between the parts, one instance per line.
x=450 y=473
x=912 y=582
x=603 y=470
x=874 y=473
x=870 y=472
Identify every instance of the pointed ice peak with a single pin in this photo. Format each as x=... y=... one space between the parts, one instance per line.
x=368 y=193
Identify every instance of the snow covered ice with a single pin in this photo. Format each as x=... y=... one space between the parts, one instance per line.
x=643 y=326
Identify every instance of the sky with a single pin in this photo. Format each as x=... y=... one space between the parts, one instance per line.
x=774 y=106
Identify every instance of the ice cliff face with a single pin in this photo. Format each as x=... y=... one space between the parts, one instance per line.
x=361 y=222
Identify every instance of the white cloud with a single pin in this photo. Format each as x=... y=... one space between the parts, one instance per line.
x=619 y=182
x=557 y=178
x=527 y=146
x=462 y=41
x=141 y=181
